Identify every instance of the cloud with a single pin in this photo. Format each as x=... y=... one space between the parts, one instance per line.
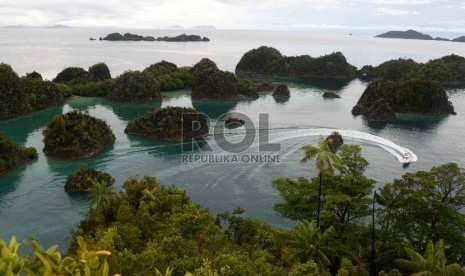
x=389 y=11
x=399 y=2
x=405 y=2
x=274 y=4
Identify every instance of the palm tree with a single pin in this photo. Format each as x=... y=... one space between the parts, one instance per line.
x=326 y=160
x=433 y=263
x=99 y=194
x=312 y=244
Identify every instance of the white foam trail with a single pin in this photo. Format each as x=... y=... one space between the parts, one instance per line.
x=402 y=154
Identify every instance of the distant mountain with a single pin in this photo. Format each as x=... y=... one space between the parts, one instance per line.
x=59 y=26
x=174 y=27
x=203 y=27
x=459 y=39
x=410 y=34
x=198 y=27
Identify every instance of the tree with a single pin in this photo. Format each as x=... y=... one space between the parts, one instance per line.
x=426 y=205
x=325 y=158
x=310 y=243
x=433 y=263
x=345 y=199
x=99 y=194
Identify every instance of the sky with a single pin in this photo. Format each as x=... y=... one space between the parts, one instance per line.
x=422 y=15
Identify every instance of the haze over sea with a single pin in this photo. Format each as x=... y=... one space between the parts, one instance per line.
x=32 y=198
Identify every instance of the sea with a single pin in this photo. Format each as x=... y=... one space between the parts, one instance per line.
x=33 y=202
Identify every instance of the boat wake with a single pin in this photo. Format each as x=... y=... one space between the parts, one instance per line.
x=402 y=154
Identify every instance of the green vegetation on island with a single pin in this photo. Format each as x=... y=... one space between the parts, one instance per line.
x=381 y=98
x=171 y=124
x=212 y=83
x=448 y=70
x=169 y=76
x=412 y=34
x=86 y=178
x=251 y=87
x=20 y=96
x=269 y=61
x=147 y=228
x=134 y=37
x=13 y=156
x=282 y=91
x=330 y=95
x=459 y=39
x=96 y=82
x=409 y=34
x=135 y=87
x=76 y=135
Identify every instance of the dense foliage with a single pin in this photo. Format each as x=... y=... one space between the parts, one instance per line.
x=269 y=61
x=409 y=34
x=183 y=38
x=148 y=228
x=33 y=76
x=135 y=87
x=19 y=96
x=423 y=206
x=212 y=83
x=50 y=261
x=96 y=82
x=99 y=72
x=83 y=179
x=134 y=37
x=251 y=87
x=72 y=74
x=448 y=70
x=12 y=156
x=281 y=91
x=76 y=135
x=170 y=123
x=405 y=96
x=169 y=76
x=127 y=37
x=93 y=88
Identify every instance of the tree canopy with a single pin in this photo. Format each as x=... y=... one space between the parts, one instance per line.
x=76 y=135
x=170 y=123
x=12 y=155
x=135 y=87
x=269 y=61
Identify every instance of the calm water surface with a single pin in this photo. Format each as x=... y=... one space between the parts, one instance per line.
x=32 y=198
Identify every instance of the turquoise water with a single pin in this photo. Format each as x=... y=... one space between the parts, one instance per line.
x=32 y=198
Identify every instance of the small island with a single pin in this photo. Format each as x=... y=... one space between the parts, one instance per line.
x=330 y=95
x=269 y=61
x=448 y=70
x=170 y=124
x=232 y=122
x=382 y=99
x=335 y=141
x=84 y=179
x=76 y=135
x=13 y=156
x=412 y=34
x=135 y=87
x=251 y=87
x=282 y=91
x=20 y=96
x=213 y=84
x=134 y=37
x=409 y=34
